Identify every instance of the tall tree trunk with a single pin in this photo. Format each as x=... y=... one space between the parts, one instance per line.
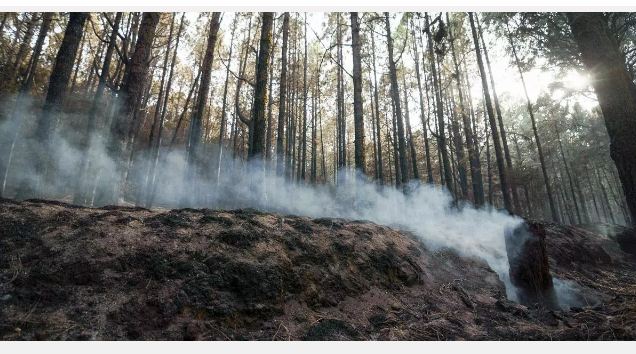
x=546 y=180
x=322 y=141
x=570 y=180
x=459 y=148
x=314 y=160
x=47 y=17
x=144 y=190
x=503 y=178
x=193 y=89
x=280 y=153
x=441 y=136
x=24 y=91
x=96 y=105
x=341 y=121
x=395 y=97
x=616 y=93
x=425 y=120
x=303 y=159
x=502 y=129
x=78 y=64
x=358 y=118
x=124 y=124
x=377 y=110
x=25 y=44
x=196 y=123
x=260 y=93
x=289 y=155
x=224 y=103
x=270 y=108
x=151 y=189
x=605 y=195
x=409 y=133
x=374 y=137
x=58 y=85
x=473 y=154
x=61 y=75
x=488 y=160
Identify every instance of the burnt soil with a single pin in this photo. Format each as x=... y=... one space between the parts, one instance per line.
x=116 y=273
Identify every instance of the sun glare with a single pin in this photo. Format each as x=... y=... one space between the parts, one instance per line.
x=576 y=81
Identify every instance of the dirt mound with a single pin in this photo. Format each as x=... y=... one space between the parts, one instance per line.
x=69 y=272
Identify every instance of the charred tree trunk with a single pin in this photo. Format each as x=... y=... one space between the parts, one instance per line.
x=529 y=267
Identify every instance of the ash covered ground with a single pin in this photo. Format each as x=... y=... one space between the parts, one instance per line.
x=116 y=273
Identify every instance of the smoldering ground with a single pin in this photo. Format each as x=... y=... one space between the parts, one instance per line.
x=425 y=210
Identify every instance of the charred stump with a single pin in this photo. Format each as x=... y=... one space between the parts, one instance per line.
x=529 y=267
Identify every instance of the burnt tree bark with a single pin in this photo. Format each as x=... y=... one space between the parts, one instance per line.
x=529 y=267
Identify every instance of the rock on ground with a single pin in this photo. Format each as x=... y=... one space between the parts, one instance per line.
x=115 y=273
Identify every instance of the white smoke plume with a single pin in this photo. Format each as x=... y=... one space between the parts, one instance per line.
x=425 y=210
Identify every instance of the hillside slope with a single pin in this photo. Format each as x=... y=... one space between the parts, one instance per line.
x=70 y=272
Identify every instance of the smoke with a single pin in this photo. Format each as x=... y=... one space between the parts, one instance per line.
x=571 y=294
x=425 y=210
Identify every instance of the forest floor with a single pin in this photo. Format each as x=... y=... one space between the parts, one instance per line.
x=69 y=272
